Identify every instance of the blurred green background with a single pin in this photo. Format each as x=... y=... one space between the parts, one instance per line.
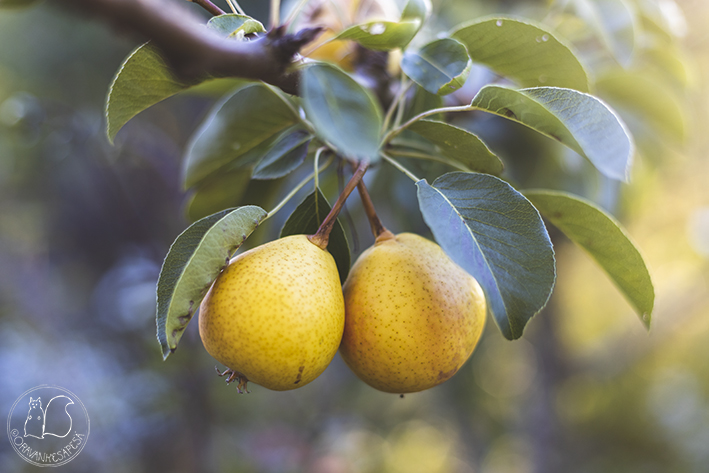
x=84 y=227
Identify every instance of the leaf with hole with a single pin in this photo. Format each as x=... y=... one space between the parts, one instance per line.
x=306 y=219
x=343 y=112
x=192 y=265
x=529 y=54
x=605 y=240
x=460 y=145
x=284 y=156
x=382 y=35
x=237 y=125
x=496 y=235
x=577 y=120
x=233 y=25
x=441 y=67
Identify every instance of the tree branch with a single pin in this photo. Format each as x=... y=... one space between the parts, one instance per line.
x=193 y=51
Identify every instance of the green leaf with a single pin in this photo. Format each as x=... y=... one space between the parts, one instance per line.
x=218 y=192
x=142 y=81
x=193 y=263
x=496 y=235
x=306 y=219
x=524 y=52
x=343 y=112
x=614 y=22
x=577 y=120
x=646 y=98
x=286 y=154
x=417 y=10
x=440 y=67
x=233 y=25
x=460 y=145
x=238 y=124
x=605 y=240
x=382 y=35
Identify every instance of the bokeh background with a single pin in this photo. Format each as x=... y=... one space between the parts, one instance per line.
x=84 y=227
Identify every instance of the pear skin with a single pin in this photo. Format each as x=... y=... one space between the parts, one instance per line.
x=275 y=314
x=412 y=316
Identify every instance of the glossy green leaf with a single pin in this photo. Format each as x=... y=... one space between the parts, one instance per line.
x=193 y=263
x=529 y=54
x=440 y=67
x=218 y=192
x=579 y=121
x=233 y=25
x=142 y=81
x=605 y=240
x=417 y=10
x=460 y=145
x=343 y=112
x=284 y=156
x=237 y=125
x=496 y=235
x=614 y=22
x=382 y=35
x=646 y=98
x=306 y=219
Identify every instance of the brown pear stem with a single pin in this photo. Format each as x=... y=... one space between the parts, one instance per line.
x=322 y=236
x=378 y=228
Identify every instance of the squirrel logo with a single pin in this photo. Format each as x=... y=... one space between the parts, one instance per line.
x=52 y=420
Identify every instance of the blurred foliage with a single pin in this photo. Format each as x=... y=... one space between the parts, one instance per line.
x=84 y=227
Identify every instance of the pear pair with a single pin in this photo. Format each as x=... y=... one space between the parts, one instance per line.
x=406 y=319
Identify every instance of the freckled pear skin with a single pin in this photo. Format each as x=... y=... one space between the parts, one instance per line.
x=413 y=316
x=276 y=313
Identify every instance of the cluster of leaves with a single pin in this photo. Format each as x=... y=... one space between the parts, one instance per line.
x=492 y=230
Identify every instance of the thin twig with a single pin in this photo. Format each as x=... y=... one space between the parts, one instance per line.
x=403 y=88
x=298 y=187
x=295 y=12
x=322 y=236
x=428 y=156
x=275 y=14
x=434 y=111
x=400 y=167
x=209 y=6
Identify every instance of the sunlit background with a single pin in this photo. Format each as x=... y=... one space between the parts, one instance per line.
x=84 y=227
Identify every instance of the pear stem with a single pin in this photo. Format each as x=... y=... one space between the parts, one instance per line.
x=322 y=236
x=374 y=221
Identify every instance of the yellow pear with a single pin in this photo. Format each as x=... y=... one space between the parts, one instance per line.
x=412 y=316
x=275 y=315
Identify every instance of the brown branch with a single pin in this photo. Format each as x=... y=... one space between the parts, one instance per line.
x=194 y=51
x=322 y=236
